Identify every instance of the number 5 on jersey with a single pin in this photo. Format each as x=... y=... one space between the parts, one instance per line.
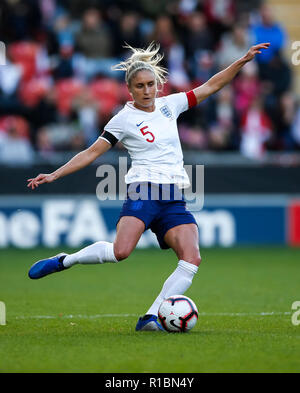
x=151 y=137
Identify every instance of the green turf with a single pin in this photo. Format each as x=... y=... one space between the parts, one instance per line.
x=232 y=288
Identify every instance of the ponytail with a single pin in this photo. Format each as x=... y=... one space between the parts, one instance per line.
x=143 y=59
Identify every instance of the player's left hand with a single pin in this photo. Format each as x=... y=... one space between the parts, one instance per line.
x=256 y=49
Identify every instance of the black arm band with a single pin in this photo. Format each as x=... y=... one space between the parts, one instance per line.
x=109 y=137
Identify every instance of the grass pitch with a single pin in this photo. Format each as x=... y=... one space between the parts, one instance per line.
x=83 y=319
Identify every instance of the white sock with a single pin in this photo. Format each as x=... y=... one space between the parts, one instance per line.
x=99 y=252
x=179 y=282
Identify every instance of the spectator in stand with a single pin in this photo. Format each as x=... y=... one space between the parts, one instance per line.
x=64 y=31
x=87 y=112
x=220 y=16
x=233 y=45
x=63 y=63
x=76 y=8
x=278 y=73
x=60 y=137
x=64 y=66
x=178 y=76
x=268 y=30
x=45 y=112
x=295 y=131
x=285 y=115
x=198 y=43
x=198 y=36
x=204 y=66
x=15 y=148
x=43 y=143
x=94 y=45
x=193 y=137
x=20 y=19
x=163 y=32
x=127 y=31
x=186 y=7
x=247 y=86
x=94 y=38
x=10 y=76
x=223 y=127
x=154 y=9
x=276 y=77
x=256 y=130
x=173 y=51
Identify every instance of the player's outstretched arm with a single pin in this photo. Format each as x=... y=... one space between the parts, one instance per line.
x=218 y=81
x=78 y=162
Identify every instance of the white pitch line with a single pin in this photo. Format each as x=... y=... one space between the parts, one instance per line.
x=241 y=314
x=79 y=316
x=202 y=314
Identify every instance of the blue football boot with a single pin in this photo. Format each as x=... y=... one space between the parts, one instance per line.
x=149 y=323
x=47 y=266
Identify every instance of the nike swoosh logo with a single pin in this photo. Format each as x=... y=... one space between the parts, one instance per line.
x=140 y=124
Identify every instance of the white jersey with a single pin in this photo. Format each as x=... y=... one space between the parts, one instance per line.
x=152 y=140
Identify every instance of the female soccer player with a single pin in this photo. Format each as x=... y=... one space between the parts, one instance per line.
x=147 y=127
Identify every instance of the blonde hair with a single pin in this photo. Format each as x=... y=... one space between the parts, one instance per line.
x=143 y=59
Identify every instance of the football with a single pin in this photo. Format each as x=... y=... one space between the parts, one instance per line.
x=178 y=313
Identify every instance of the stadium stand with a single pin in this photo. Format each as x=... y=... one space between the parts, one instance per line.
x=60 y=52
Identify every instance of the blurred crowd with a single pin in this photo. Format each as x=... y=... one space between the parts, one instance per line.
x=57 y=89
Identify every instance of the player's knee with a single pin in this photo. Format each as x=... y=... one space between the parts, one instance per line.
x=122 y=252
x=193 y=259
x=196 y=260
x=189 y=255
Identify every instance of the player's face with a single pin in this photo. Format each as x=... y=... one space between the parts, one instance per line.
x=143 y=88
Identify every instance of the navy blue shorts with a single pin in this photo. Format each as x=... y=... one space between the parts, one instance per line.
x=161 y=207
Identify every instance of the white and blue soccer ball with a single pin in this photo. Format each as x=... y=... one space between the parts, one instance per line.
x=178 y=313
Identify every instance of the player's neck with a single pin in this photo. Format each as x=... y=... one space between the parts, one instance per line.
x=144 y=108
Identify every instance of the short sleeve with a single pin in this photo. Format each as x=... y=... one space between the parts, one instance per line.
x=178 y=103
x=115 y=127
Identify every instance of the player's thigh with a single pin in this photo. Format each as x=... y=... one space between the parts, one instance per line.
x=184 y=240
x=129 y=231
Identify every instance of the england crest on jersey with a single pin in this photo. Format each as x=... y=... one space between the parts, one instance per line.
x=166 y=111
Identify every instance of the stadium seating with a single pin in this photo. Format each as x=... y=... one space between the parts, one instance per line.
x=31 y=91
x=24 y=53
x=66 y=90
x=107 y=94
x=18 y=123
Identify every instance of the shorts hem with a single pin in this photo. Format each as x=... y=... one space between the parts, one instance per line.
x=163 y=245
x=133 y=215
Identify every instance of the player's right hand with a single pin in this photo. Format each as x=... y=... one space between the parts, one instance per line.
x=40 y=179
x=256 y=49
